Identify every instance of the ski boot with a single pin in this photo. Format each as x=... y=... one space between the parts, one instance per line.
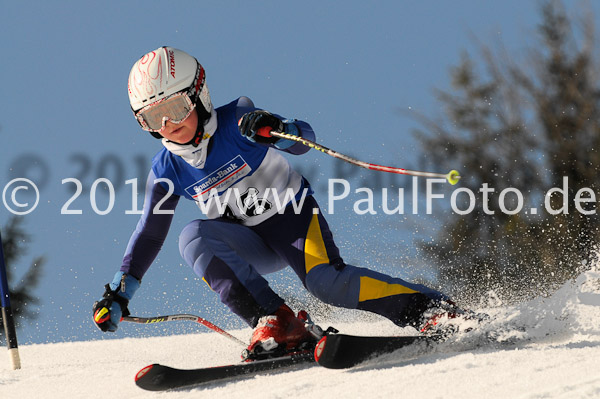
x=282 y=333
x=448 y=319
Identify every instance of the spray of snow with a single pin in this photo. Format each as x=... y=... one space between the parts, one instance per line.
x=543 y=348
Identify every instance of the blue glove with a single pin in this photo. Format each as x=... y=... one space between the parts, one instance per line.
x=109 y=310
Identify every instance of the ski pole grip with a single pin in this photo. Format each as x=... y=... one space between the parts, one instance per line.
x=264 y=131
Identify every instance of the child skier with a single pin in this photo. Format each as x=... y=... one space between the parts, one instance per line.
x=225 y=160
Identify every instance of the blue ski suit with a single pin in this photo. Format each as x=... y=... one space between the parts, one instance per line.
x=248 y=192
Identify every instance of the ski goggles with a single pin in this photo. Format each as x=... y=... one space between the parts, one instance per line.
x=175 y=108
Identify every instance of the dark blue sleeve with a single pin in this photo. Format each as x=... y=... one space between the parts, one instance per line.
x=245 y=105
x=147 y=239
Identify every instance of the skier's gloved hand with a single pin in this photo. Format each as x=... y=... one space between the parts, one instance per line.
x=109 y=310
x=252 y=126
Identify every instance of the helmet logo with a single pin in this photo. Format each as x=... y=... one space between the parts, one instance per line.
x=172 y=63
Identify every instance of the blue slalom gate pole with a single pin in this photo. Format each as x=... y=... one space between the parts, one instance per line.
x=7 y=316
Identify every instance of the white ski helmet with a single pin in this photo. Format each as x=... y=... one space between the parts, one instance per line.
x=166 y=71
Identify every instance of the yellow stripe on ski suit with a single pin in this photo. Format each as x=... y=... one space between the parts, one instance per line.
x=371 y=288
x=315 y=252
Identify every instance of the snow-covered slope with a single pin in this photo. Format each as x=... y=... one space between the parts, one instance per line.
x=546 y=348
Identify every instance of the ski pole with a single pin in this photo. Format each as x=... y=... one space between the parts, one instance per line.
x=452 y=177
x=188 y=317
x=7 y=316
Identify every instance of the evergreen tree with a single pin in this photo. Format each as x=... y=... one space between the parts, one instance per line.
x=529 y=127
x=14 y=245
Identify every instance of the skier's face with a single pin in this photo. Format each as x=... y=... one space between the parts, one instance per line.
x=183 y=132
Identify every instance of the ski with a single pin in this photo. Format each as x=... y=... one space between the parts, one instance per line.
x=158 y=377
x=339 y=351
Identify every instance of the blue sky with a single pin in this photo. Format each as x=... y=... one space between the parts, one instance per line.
x=344 y=69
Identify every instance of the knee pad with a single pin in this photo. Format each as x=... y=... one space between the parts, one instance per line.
x=189 y=233
x=235 y=244
x=200 y=232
